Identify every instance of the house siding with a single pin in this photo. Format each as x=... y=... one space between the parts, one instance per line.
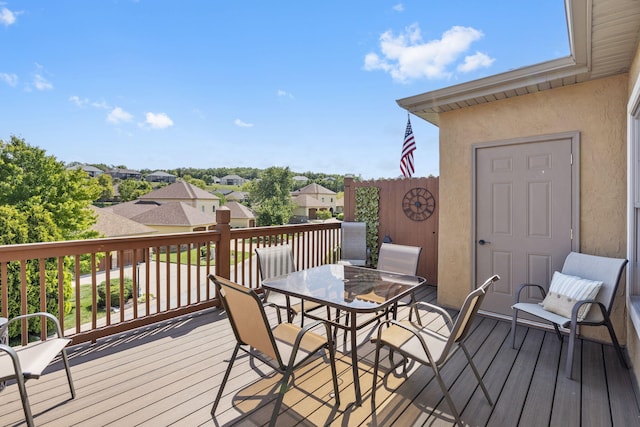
x=596 y=109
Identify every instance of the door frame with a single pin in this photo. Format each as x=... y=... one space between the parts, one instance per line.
x=574 y=136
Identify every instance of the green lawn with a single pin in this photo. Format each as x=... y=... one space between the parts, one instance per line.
x=85 y=290
x=85 y=308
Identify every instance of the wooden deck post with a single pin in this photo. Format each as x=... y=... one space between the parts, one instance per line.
x=223 y=248
x=349 y=199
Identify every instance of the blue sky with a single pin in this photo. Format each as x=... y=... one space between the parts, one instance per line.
x=309 y=85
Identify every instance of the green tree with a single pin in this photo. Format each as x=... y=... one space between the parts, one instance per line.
x=105 y=182
x=131 y=189
x=195 y=181
x=271 y=196
x=41 y=201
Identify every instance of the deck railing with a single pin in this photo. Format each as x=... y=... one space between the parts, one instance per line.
x=168 y=273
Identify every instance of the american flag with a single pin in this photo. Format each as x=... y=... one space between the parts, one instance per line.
x=408 y=147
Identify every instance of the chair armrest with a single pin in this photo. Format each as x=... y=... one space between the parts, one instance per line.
x=50 y=316
x=411 y=330
x=277 y=307
x=576 y=308
x=516 y=298
x=301 y=334
x=431 y=307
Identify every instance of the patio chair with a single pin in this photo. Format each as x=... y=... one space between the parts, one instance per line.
x=397 y=259
x=400 y=259
x=29 y=362
x=433 y=347
x=353 y=245
x=582 y=294
x=276 y=261
x=284 y=347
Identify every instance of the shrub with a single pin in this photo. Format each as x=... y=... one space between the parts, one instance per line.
x=324 y=214
x=115 y=292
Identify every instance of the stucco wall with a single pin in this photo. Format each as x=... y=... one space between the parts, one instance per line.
x=597 y=110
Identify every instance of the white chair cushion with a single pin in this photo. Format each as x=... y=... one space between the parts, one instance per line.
x=565 y=291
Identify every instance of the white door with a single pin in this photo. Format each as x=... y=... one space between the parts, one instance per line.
x=525 y=212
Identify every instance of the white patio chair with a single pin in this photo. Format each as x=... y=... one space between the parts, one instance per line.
x=400 y=259
x=353 y=245
x=29 y=362
x=276 y=261
x=572 y=302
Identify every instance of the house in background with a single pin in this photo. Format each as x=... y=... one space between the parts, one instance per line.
x=92 y=171
x=241 y=215
x=132 y=208
x=176 y=217
x=339 y=205
x=110 y=224
x=187 y=193
x=232 y=180
x=160 y=176
x=324 y=196
x=124 y=174
x=237 y=196
x=307 y=207
x=299 y=180
x=543 y=160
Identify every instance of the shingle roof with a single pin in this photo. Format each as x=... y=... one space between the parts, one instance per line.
x=180 y=190
x=132 y=208
x=113 y=225
x=239 y=210
x=86 y=168
x=313 y=189
x=237 y=195
x=160 y=173
x=177 y=214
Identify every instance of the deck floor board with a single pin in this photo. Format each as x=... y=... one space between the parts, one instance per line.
x=169 y=374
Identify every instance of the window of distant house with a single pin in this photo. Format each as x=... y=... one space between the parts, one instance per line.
x=214 y=208
x=202 y=208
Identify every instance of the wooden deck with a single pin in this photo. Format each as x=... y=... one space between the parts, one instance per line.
x=169 y=374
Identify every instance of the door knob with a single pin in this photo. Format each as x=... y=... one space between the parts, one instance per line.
x=483 y=242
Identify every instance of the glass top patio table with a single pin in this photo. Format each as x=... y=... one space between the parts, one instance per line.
x=348 y=288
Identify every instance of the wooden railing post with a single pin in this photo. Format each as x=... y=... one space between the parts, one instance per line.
x=349 y=199
x=223 y=248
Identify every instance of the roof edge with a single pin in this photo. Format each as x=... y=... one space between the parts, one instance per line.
x=578 y=14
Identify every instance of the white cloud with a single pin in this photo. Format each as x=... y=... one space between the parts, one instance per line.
x=7 y=17
x=83 y=102
x=118 y=115
x=407 y=57
x=158 y=121
x=284 y=93
x=102 y=105
x=79 y=102
x=242 y=124
x=41 y=83
x=473 y=62
x=10 y=79
x=398 y=7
